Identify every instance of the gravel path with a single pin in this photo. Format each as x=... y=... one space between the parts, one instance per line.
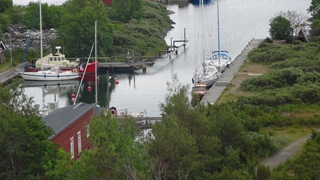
x=284 y=154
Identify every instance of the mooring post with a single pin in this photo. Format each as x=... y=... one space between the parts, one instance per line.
x=184 y=37
x=171 y=47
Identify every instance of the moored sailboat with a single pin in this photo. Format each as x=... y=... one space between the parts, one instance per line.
x=206 y=72
x=220 y=58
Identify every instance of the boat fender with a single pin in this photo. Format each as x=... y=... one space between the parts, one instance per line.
x=74 y=70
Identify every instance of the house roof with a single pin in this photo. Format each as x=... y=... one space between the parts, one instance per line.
x=302 y=35
x=61 y=118
x=2 y=45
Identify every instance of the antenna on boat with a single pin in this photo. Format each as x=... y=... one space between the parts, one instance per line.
x=58 y=49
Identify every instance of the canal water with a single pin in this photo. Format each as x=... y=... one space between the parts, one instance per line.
x=240 y=21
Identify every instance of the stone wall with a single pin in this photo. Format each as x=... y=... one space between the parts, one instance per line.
x=20 y=34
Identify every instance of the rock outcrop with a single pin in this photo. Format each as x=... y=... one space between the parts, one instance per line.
x=20 y=35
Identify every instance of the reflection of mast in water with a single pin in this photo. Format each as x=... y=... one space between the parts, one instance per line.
x=130 y=77
x=134 y=80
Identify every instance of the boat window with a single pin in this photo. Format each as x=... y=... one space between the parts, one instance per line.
x=62 y=58
x=59 y=59
x=51 y=59
x=199 y=89
x=55 y=59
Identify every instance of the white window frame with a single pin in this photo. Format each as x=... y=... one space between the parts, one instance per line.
x=79 y=141
x=88 y=130
x=72 y=147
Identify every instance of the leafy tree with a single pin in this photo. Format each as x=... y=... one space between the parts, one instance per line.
x=5 y=5
x=25 y=147
x=125 y=10
x=4 y=22
x=174 y=150
x=297 y=21
x=314 y=8
x=16 y=15
x=280 y=28
x=51 y=15
x=77 y=28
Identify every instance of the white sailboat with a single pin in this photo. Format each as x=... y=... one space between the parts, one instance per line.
x=219 y=58
x=54 y=74
x=206 y=72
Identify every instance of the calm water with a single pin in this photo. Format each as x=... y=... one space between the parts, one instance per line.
x=240 y=21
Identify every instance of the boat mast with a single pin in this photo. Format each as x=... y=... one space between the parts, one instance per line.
x=218 y=33
x=41 y=51
x=95 y=54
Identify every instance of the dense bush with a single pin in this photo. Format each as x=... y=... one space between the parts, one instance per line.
x=268 y=53
x=297 y=62
x=277 y=79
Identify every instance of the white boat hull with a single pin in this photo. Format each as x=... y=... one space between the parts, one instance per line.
x=45 y=76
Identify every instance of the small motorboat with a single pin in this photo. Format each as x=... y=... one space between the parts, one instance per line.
x=199 y=90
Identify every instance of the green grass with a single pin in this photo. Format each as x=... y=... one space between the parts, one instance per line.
x=291 y=133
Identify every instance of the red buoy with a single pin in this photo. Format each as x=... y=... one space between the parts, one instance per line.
x=73 y=96
x=89 y=88
x=116 y=80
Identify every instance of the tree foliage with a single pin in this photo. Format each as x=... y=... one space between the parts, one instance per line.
x=280 y=28
x=126 y=10
x=314 y=8
x=77 y=28
x=24 y=139
x=6 y=5
x=298 y=21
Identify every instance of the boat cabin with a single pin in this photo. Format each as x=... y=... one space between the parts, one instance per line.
x=55 y=59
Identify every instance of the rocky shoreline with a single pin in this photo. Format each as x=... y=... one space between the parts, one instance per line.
x=20 y=35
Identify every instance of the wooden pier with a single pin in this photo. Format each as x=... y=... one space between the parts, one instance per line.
x=146 y=122
x=8 y=76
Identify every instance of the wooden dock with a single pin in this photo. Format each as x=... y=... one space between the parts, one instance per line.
x=8 y=76
x=146 y=122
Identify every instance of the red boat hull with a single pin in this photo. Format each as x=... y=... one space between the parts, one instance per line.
x=89 y=68
x=91 y=78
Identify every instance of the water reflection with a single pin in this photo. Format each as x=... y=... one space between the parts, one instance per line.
x=50 y=95
x=58 y=94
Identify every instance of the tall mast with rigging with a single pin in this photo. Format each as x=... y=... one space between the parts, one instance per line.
x=41 y=51
x=95 y=54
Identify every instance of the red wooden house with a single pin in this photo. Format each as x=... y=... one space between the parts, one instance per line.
x=71 y=127
x=107 y=1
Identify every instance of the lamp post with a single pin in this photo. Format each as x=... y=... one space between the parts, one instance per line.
x=10 y=50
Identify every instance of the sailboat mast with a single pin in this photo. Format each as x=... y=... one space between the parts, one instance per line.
x=95 y=57
x=41 y=51
x=218 y=32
